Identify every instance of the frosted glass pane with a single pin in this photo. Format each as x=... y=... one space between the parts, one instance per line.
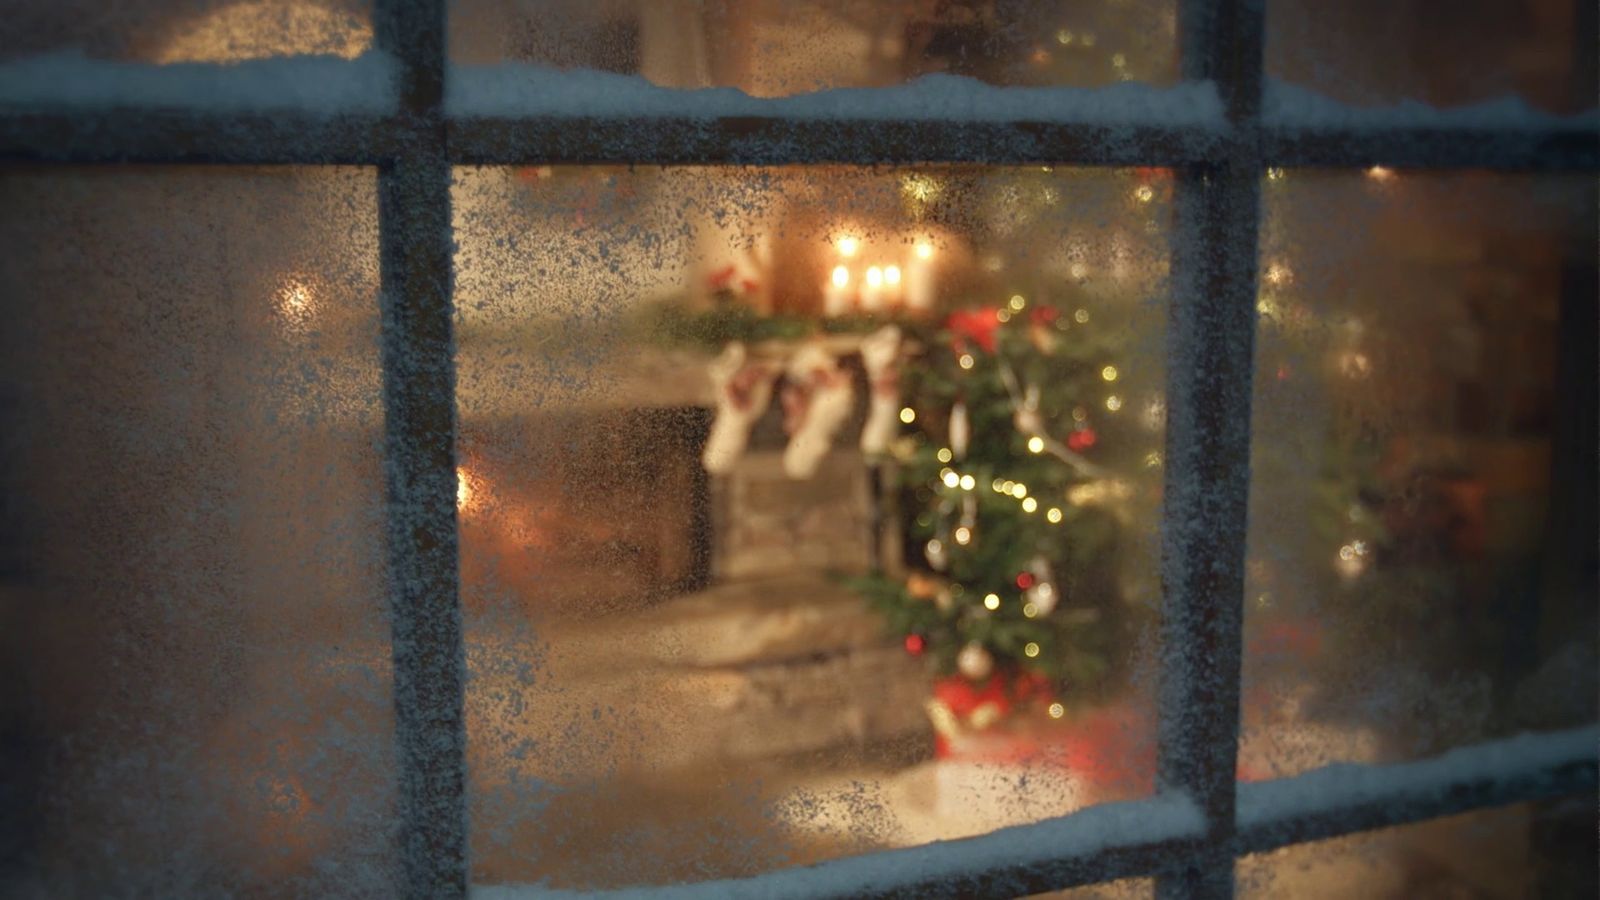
x=779 y=47
x=1421 y=568
x=1529 y=850
x=196 y=699
x=676 y=670
x=1379 y=52
x=177 y=31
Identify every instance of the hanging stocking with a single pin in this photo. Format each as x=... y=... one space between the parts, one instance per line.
x=743 y=392
x=816 y=402
x=880 y=356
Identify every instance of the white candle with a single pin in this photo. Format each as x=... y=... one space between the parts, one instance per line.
x=919 y=279
x=872 y=291
x=835 y=294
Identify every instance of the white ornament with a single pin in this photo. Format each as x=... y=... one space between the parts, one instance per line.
x=816 y=403
x=1026 y=417
x=880 y=353
x=743 y=392
x=960 y=430
x=1043 y=596
x=974 y=662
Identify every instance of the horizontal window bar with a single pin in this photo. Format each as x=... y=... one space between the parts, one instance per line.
x=166 y=136
x=1555 y=149
x=1160 y=834
x=755 y=140
x=1343 y=799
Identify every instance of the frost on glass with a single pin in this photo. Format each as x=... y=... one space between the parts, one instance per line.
x=1527 y=850
x=780 y=47
x=1375 y=54
x=196 y=699
x=186 y=31
x=698 y=407
x=1421 y=558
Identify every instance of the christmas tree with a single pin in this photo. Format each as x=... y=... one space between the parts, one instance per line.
x=1008 y=412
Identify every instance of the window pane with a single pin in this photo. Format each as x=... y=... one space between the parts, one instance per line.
x=1372 y=53
x=684 y=674
x=1530 y=850
x=196 y=695
x=175 y=31
x=779 y=47
x=1422 y=539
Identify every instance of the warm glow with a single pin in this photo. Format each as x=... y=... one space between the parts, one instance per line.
x=875 y=277
x=1019 y=490
x=1278 y=274
x=1109 y=373
x=1030 y=650
x=1057 y=710
x=1380 y=173
x=963 y=535
x=991 y=601
x=891 y=275
x=966 y=361
x=1081 y=317
x=296 y=301
x=1053 y=514
x=267 y=28
x=1113 y=403
x=1018 y=301
x=951 y=479
x=924 y=251
x=464 y=489
x=908 y=415
x=1143 y=193
x=1029 y=504
x=847 y=246
x=944 y=454
x=1036 y=444
x=968 y=482
x=841 y=276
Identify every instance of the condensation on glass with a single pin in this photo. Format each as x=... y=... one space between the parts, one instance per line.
x=780 y=47
x=667 y=680
x=196 y=651
x=1421 y=570
x=1524 y=850
x=1379 y=53
x=187 y=31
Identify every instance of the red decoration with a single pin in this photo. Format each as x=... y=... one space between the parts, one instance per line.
x=914 y=644
x=1043 y=315
x=977 y=325
x=1082 y=439
x=1025 y=580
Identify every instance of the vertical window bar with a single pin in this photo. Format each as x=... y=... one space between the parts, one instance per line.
x=419 y=460
x=1210 y=347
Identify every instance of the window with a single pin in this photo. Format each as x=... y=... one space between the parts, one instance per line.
x=392 y=113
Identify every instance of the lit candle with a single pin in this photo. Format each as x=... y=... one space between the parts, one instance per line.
x=891 y=284
x=919 y=279
x=835 y=296
x=872 y=290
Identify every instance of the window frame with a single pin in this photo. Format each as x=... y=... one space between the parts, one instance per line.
x=1211 y=347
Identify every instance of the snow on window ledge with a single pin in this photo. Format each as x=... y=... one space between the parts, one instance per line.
x=517 y=90
x=1527 y=758
x=1286 y=105
x=1078 y=836
x=317 y=85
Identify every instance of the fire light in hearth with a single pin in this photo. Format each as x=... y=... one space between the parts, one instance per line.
x=466 y=490
x=847 y=246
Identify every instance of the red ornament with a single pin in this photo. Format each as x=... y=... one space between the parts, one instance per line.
x=1043 y=315
x=1025 y=580
x=915 y=644
x=1082 y=439
x=977 y=325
